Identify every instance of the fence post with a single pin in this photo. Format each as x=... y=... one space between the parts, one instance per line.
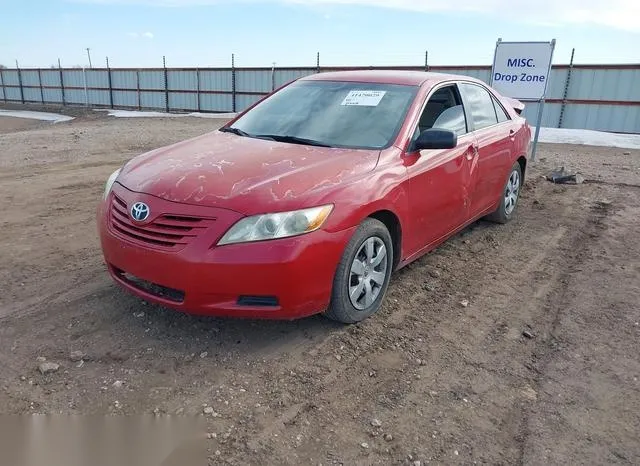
x=20 y=82
x=86 y=92
x=198 y=87
x=61 y=81
x=166 y=84
x=40 y=83
x=233 y=82
x=426 y=60
x=4 y=89
x=566 y=89
x=138 y=89
x=273 y=77
x=318 y=62
x=110 y=86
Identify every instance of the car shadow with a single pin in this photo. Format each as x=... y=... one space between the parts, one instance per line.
x=167 y=329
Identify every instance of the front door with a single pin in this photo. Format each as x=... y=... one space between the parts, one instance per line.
x=439 y=180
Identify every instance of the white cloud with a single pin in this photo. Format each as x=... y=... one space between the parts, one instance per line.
x=135 y=35
x=619 y=14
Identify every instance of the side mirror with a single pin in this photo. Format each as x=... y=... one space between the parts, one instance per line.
x=436 y=139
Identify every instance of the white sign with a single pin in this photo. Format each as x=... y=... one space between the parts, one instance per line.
x=364 y=98
x=521 y=69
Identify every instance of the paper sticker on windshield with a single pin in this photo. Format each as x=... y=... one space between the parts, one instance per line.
x=364 y=98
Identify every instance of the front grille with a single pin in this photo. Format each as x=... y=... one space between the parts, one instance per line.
x=177 y=296
x=168 y=231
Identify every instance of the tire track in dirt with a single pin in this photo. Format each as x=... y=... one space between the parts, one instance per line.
x=553 y=293
x=351 y=372
x=562 y=406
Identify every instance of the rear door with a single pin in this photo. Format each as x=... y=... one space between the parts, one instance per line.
x=494 y=132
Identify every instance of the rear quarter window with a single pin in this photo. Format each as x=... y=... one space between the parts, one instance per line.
x=500 y=112
x=479 y=104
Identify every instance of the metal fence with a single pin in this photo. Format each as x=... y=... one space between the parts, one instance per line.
x=598 y=97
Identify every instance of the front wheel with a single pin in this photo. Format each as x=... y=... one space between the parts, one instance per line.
x=363 y=274
x=509 y=198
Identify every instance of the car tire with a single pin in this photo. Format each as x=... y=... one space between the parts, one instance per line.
x=509 y=196
x=364 y=272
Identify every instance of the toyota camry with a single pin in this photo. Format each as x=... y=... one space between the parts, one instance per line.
x=306 y=202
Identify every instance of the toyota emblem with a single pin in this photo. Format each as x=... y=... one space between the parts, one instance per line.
x=140 y=211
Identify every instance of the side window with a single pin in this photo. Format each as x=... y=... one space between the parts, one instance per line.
x=501 y=114
x=479 y=105
x=443 y=111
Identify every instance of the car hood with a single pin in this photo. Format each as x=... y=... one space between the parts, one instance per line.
x=244 y=174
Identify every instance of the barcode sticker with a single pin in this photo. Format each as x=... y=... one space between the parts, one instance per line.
x=364 y=98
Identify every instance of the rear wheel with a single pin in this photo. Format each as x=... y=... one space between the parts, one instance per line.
x=363 y=273
x=510 y=196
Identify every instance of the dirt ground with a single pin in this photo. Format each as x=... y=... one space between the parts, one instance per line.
x=427 y=380
x=9 y=125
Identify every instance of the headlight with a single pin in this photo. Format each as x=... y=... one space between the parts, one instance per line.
x=280 y=225
x=110 y=181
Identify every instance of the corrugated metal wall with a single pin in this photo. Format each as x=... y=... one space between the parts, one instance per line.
x=124 y=79
x=50 y=78
x=152 y=80
x=253 y=81
x=211 y=80
x=125 y=99
x=600 y=97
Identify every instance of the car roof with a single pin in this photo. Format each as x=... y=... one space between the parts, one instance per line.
x=408 y=78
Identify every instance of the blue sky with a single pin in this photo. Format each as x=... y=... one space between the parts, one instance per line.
x=290 y=32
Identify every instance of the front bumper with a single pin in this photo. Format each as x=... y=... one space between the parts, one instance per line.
x=295 y=274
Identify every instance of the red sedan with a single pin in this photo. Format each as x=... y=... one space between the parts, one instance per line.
x=306 y=202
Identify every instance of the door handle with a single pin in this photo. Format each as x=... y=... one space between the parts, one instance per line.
x=472 y=151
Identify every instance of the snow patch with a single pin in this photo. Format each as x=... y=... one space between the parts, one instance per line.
x=141 y=114
x=43 y=116
x=588 y=137
x=548 y=135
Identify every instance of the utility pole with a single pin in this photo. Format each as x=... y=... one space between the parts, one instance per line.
x=89 y=56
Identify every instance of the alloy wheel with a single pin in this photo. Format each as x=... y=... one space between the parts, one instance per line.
x=368 y=273
x=511 y=192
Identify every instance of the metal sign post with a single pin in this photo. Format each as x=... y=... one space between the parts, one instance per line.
x=536 y=134
x=514 y=75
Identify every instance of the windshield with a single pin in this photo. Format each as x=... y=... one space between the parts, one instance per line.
x=336 y=114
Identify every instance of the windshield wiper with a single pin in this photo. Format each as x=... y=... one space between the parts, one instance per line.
x=276 y=137
x=292 y=139
x=237 y=131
